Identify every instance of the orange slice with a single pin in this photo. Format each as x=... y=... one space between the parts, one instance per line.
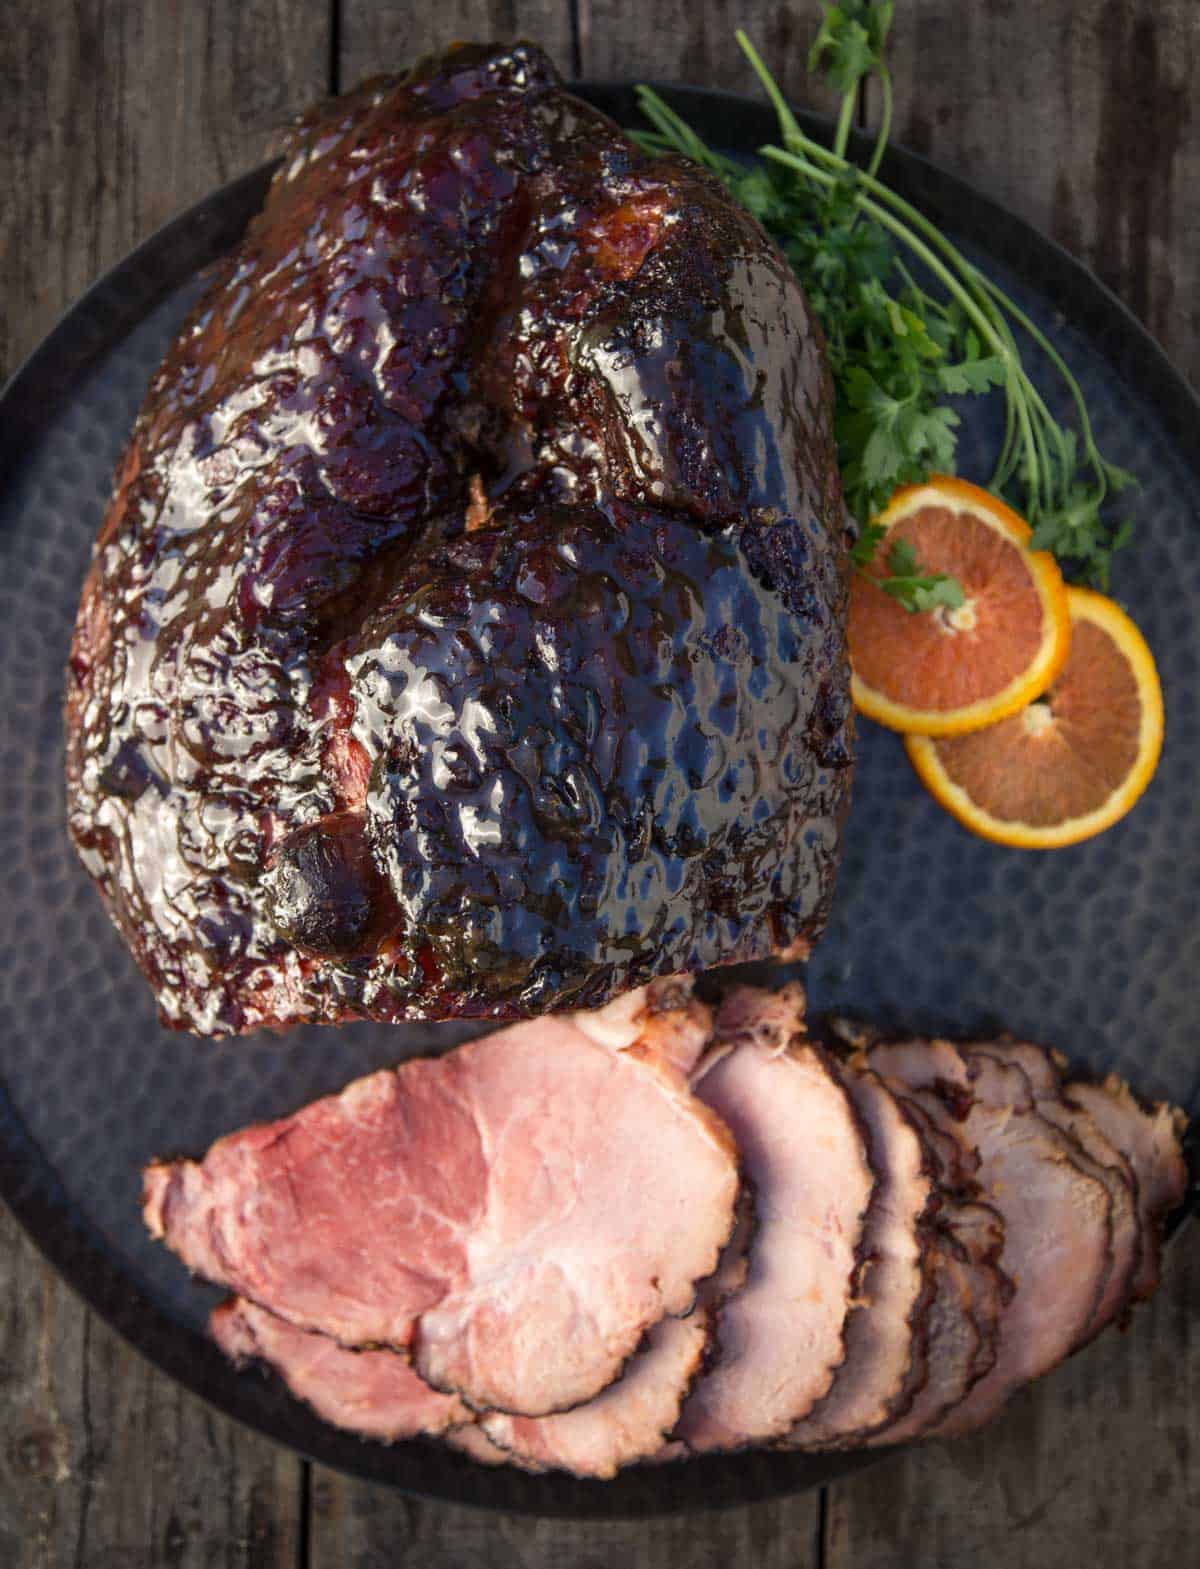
x=1072 y=762
x=946 y=672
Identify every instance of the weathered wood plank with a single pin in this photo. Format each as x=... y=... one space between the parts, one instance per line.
x=113 y=118
x=1083 y=117
x=357 y=1527
x=390 y=35
x=686 y=42
x=1096 y=1464
x=106 y=1463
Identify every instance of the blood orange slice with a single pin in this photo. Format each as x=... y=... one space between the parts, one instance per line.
x=946 y=672
x=1073 y=761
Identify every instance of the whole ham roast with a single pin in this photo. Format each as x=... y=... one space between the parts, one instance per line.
x=465 y=636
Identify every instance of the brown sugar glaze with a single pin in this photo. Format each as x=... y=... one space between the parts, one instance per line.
x=465 y=636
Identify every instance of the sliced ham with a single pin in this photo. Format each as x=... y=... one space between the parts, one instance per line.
x=627 y=1422
x=473 y=1441
x=1056 y=1237
x=375 y=1393
x=1103 y=1161
x=883 y=1328
x=514 y=1215
x=1150 y=1141
x=1057 y=1215
x=663 y=1018
x=781 y=1336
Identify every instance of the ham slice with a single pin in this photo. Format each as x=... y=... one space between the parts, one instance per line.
x=1057 y=1215
x=883 y=1327
x=663 y=1018
x=962 y=1328
x=1056 y=1237
x=627 y=1422
x=514 y=1215
x=781 y=1336
x=375 y=1393
x=1150 y=1141
x=1103 y=1161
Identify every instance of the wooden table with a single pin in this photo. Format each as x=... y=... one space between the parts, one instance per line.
x=114 y=115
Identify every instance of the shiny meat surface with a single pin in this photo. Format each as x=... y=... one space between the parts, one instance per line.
x=463 y=1209
x=465 y=636
x=375 y=1393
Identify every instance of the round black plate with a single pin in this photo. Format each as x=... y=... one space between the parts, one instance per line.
x=1092 y=948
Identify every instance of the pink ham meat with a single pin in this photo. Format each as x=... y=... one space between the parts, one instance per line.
x=1150 y=1141
x=968 y=1289
x=781 y=1336
x=627 y=1422
x=514 y=1215
x=1056 y=1225
x=962 y=1329
x=1104 y=1161
x=375 y=1393
x=883 y=1329
x=663 y=1018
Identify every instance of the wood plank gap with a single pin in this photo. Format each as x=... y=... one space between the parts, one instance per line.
x=576 y=39
x=304 y=1509
x=335 y=46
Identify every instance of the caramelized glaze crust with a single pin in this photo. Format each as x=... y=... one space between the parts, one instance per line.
x=465 y=636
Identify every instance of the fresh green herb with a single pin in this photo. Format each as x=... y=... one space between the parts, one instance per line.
x=906 y=582
x=917 y=590
x=900 y=348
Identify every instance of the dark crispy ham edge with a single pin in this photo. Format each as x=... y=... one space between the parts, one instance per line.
x=1108 y=1173
x=917 y=1372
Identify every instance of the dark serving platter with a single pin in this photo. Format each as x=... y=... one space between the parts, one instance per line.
x=1094 y=949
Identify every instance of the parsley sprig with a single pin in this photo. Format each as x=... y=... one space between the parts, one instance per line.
x=910 y=323
x=905 y=581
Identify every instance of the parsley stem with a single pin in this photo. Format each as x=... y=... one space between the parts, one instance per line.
x=885 y=121
x=844 y=121
x=1060 y=365
x=788 y=126
x=976 y=314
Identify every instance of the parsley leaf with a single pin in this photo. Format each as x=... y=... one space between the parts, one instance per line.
x=915 y=589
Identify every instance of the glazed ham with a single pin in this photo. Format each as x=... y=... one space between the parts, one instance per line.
x=462 y=1210
x=465 y=636
x=924 y=1228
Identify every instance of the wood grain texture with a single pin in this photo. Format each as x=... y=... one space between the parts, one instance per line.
x=681 y=41
x=392 y=34
x=115 y=114
x=1098 y=1464
x=357 y=1527
x=1082 y=116
x=107 y=1464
